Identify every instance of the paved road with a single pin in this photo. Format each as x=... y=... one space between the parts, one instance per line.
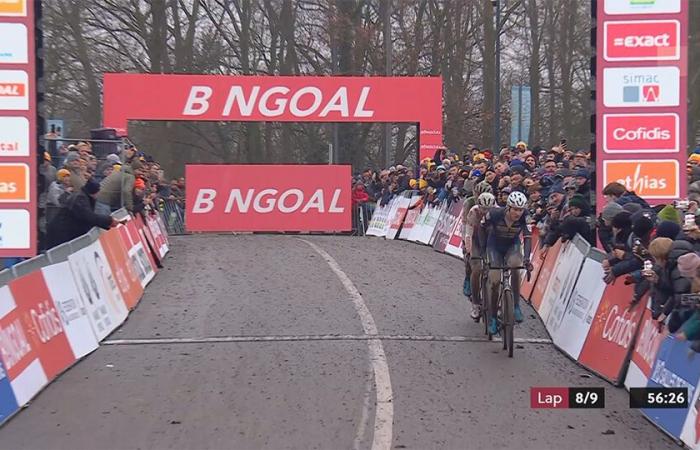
x=252 y=342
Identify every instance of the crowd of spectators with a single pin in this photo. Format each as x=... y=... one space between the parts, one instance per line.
x=79 y=191
x=656 y=248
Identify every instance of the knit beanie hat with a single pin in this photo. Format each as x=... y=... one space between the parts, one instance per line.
x=632 y=207
x=92 y=187
x=578 y=201
x=611 y=210
x=642 y=224
x=688 y=264
x=670 y=214
x=668 y=229
x=622 y=220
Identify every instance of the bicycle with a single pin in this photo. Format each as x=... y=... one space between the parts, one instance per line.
x=505 y=308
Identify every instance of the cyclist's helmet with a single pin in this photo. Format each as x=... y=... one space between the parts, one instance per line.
x=482 y=187
x=486 y=200
x=517 y=200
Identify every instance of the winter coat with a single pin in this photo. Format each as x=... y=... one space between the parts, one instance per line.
x=117 y=189
x=631 y=197
x=75 y=219
x=671 y=284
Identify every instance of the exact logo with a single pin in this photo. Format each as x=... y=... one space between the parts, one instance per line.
x=641 y=133
x=642 y=40
x=642 y=6
x=649 y=178
x=641 y=86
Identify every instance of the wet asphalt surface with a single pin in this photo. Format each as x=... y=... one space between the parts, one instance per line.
x=308 y=391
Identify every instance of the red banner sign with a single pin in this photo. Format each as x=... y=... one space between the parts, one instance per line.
x=282 y=99
x=641 y=133
x=643 y=40
x=268 y=198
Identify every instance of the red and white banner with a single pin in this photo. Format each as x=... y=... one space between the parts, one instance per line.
x=138 y=252
x=642 y=40
x=124 y=273
x=645 y=350
x=280 y=99
x=642 y=85
x=641 y=133
x=612 y=332
x=268 y=198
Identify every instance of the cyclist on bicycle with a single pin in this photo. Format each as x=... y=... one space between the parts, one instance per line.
x=473 y=248
x=467 y=206
x=504 y=226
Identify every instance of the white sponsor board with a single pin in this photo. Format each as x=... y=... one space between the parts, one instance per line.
x=616 y=7
x=73 y=314
x=585 y=298
x=13 y=43
x=14 y=90
x=14 y=136
x=641 y=87
x=14 y=229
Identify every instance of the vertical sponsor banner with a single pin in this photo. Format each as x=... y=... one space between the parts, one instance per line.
x=98 y=289
x=8 y=402
x=612 y=333
x=558 y=292
x=676 y=365
x=642 y=85
x=122 y=268
x=645 y=350
x=19 y=357
x=136 y=253
x=42 y=323
x=545 y=275
x=582 y=308
x=73 y=314
x=138 y=225
x=18 y=137
x=151 y=243
x=163 y=231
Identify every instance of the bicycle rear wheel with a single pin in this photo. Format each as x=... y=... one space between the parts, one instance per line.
x=508 y=321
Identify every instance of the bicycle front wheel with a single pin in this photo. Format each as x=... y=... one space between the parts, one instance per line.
x=508 y=321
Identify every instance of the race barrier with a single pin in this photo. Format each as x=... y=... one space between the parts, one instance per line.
x=593 y=323
x=56 y=308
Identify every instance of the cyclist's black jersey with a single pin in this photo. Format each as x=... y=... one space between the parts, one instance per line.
x=501 y=237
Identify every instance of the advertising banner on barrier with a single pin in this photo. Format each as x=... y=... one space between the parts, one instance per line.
x=149 y=240
x=690 y=433
x=409 y=223
x=158 y=238
x=378 y=223
x=8 y=402
x=140 y=261
x=19 y=357
x=426 y=227
x=127 y=280
x=73 y=314
x=399 y=212
x=583 y=305
x=646 y=348
x=445 y=225
x=268 y=198
x=453 y=246
x=526 y=287
x=674 y=368
x=135 y=229
x=561 y=283
x=42 y=323
x=98 y=290
x=545 y=274
x=612 y=333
